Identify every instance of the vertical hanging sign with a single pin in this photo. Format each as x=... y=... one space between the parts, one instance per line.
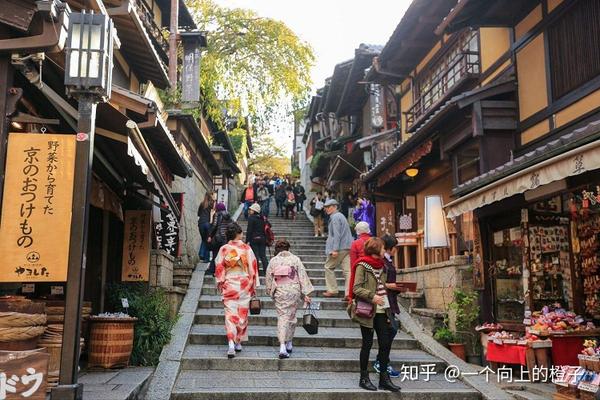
x=36 y=208
x=190 y=85
x=136 y=246
x=478 y=266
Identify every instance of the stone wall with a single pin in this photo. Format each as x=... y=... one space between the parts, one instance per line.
x=194 y=189
x=438 y=281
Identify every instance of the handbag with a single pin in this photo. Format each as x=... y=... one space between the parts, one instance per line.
x=254 y=306
x=364 y=309
x=310 y=323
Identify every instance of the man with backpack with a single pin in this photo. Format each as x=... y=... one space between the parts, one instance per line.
x=217 y=237
x=264 y=198
x=258 y=235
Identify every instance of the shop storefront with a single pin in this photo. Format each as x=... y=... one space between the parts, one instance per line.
x=540 y=231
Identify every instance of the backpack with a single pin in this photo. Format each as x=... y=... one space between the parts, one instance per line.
x=269 y=235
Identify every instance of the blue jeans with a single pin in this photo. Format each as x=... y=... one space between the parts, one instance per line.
x=204 y=252
x=279 y=204
x=247 y=205
x=264 y=207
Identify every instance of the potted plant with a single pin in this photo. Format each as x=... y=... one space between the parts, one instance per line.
x=465 y=309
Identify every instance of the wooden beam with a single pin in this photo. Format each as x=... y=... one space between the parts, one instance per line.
x=120 y=100
x=6 y=81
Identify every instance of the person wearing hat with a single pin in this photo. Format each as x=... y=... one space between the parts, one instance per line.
x=337 y=248
x=256 y=237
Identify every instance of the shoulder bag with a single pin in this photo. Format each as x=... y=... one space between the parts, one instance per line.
x=366 y=309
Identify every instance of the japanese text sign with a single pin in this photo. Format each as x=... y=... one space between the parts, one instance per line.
x=23 y=375
x=36 y=207
x=167 y=229
x=136 y=246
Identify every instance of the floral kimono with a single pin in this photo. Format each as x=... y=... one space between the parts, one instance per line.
x=287 y=282
x=236 y=275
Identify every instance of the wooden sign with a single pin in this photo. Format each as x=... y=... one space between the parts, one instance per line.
x=478 y=266
x=23 y=374
x=136 y=246
x=167 y=229
x=191 y=71
x=386 y=218
x=36 y=207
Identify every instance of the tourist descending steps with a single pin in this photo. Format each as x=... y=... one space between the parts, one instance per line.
x=256 y=236
x=236 y=276
x=337 y=248
x=316 y=210
x=287 y=281
x=369 y=309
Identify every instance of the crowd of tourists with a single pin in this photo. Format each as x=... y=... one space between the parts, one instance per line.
x=365 y=261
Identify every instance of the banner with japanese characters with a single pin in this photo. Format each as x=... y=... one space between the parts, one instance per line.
x=167 y=229
x=36 y=207
x=23 y=374
x=136 y=246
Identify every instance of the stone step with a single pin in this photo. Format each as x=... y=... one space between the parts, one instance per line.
x=262 y=291
x=314 y=359
x=183 y=281
x=327 y=318
x=307 y=385
x=267 y=336
x=315 y=280
x=182 y=272
x=268 y=303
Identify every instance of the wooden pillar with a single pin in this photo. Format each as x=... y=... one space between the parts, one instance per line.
x=6 y=82
x=104 y=260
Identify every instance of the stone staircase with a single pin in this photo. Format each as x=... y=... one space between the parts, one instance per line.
x=182 y=275
x=324 y=366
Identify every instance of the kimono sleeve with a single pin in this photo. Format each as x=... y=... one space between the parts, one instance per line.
x=305 y=283
x=252 y=267
x=219 y=266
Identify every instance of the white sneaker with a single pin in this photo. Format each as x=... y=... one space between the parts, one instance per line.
x=231 y=352
x=288 y=347
x=316 y=235
x=238 y=347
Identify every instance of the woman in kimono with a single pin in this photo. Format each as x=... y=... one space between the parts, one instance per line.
x=365 y=211
x=236 y=276
x=287 y=282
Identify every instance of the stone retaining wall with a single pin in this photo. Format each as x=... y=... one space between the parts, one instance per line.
x=438 y=281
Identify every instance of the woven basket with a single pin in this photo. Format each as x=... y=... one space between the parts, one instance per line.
x=16 y=319
x=111 y=342
x=14 y=334
x=54 y=348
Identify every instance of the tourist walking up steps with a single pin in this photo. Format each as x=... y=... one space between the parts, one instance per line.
x=217 y=236
x=248 y=198
x=236 y=276
x=316 y=210
x=290 y=203
x=337 y=248
x=204 y=211
x=280 y=197
x=300 y=195
x=369 y=309
x=357 y=250
x=287 y=282
x=256 y=236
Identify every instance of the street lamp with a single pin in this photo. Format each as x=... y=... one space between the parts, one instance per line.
x=88 y=75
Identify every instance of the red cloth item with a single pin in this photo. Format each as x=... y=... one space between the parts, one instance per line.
x=357 y=249
x=376 y=263
x=565 y=350
x=506 y=353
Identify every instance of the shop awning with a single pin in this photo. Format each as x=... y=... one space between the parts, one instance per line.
x=369 y=140
x=572 y=154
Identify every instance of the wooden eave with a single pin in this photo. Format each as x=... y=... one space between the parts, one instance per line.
x=144 y=58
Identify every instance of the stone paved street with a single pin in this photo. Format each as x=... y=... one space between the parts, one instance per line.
x=323 y=366
x=122 y=384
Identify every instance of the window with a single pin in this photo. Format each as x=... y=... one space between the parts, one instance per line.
x=467 y=162
x=574 y=47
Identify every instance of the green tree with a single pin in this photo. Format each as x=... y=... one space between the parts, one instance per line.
x=267 y=156
x=257 y=64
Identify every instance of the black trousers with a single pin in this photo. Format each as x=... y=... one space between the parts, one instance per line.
x=259 y=248
x=385 y=336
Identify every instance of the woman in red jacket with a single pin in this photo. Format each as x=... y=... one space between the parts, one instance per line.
x=357 y=250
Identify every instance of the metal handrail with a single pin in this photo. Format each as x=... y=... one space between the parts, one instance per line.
x=439 y=86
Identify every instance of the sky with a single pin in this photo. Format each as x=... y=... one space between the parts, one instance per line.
x=334 y=28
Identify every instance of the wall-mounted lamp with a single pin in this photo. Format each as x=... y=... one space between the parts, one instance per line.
x=411 y=172
x=436 y=231
x=16 y=125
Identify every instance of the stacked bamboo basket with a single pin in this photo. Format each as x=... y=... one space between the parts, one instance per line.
x=22 y=322
x=52 y=338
